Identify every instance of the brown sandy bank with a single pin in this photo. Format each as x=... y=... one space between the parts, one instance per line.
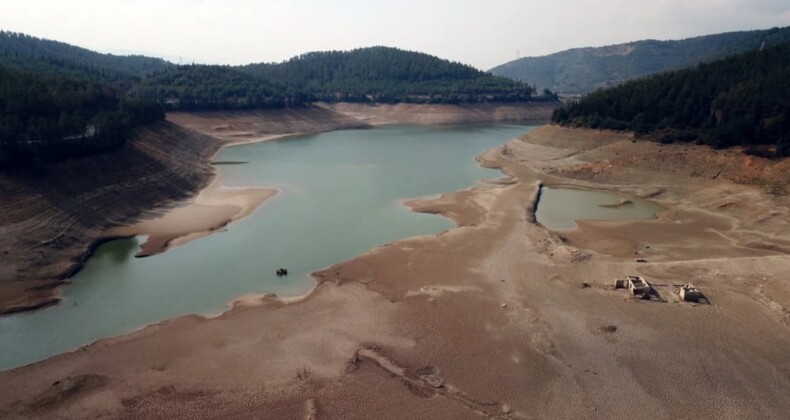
x=487 y=320
x=380 y=114
x=209 y=211
x=250 y=126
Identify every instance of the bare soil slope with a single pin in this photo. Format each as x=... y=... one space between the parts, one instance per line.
x=251 y=126
x=378 y=114
x=50 y=217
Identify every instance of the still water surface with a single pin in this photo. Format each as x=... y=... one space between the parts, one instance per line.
x=341 y=195
x=560 y=208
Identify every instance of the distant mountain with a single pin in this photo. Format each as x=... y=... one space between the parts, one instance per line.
x=31 y=54
x=582 y=70
x=389 y=75
x=739 y=100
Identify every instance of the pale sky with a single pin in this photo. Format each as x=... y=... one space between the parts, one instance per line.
x=483 y=33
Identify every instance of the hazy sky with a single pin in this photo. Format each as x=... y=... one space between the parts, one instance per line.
x=482 y=33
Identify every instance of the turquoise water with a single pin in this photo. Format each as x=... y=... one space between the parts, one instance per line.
x=560 y=208
x=341 y=195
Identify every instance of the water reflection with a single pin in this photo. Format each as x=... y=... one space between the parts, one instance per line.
x=119 y=250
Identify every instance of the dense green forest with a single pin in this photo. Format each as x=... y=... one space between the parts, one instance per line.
x=31 y=54
x=202 y=87
x=739 y=100
x=582 y=70
x=377 y=74
x=49 y=118
x=388 y=75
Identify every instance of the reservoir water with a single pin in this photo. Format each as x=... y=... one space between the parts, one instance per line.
x=341 y=195
x=560 y=208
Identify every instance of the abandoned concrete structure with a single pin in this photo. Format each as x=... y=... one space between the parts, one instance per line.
x=689 y=293
x=637 y=285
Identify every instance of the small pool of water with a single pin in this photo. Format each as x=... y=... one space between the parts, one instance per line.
x=560 y=208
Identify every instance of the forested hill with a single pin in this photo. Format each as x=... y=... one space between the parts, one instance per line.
x=377 y=74
x=204 y=87
x=31 y=54
x=739 y=100
x=49 y=118
x=389 y=75
x=583 y=70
